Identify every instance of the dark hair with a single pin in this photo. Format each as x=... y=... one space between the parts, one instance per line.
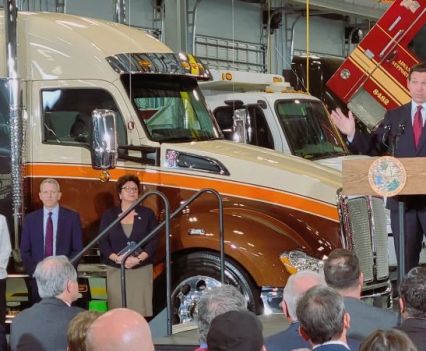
x=127 y=178
x=387 y=340
x=341 y=269
x=321 y=312
x=412 y=291
x=420 y=67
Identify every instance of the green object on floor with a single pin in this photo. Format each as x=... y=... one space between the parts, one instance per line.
x=98 y=305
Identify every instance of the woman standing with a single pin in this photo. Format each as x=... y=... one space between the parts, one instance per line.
x=132 y=229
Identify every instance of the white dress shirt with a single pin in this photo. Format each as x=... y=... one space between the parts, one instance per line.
x=5 y=247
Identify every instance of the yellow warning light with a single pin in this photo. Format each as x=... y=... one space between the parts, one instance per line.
x=277 y=79
x=227 y=76
x=145 y=64
x=186 y=65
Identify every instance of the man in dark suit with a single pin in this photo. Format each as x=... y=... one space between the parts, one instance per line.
x=43 y=327
x=52 y=230
x=401 y=134
x=342 y=272
x=323 y=319
x=290 y=339
x=412 y=302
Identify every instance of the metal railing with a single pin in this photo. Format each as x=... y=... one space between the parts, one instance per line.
x=166 y=224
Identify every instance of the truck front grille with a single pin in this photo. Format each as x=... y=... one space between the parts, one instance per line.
x=364 y=231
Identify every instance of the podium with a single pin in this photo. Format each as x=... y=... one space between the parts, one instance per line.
x=356 y=182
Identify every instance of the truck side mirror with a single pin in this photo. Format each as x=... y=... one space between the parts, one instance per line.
x=239 y=127
x=104 y=139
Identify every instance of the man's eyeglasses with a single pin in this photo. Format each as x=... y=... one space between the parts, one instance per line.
x=130 y=189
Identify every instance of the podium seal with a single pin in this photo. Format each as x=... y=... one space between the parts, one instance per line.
x=387 y=176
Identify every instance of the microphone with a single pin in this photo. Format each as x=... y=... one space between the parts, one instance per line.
x=385 y=136
x=401 y=128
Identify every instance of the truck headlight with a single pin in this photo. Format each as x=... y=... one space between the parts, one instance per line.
x=295 y=261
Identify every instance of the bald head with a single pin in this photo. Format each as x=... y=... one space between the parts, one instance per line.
x=297 y=285
x=119 y=329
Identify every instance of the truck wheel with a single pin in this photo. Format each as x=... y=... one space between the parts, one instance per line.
x=197 y=271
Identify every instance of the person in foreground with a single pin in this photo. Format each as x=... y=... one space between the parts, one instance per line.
x=412 y=303
x=235 y=331
x=43 y=327
x=213 y=302
x=323 y=320
x=401 y=130
x=297 y=284
x=77 y=330
x=342 y=273
x=5 y=250
x=118 y=330
x=388 y=340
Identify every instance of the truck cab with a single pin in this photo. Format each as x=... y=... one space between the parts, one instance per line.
x=263 y=110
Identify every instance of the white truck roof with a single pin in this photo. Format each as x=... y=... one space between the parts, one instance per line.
x=226 y=80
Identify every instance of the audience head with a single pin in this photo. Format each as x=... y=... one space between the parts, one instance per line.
x=216 y=301
x=322 y=315
x=77 y=330
x=119 y=329
x=387 y=340
x=57 y=277
x=342 y=272
x=50 y=193
x=235 y=331
x=297 y=284
x=412 y=293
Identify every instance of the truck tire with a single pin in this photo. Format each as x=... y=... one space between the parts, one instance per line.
x=194 y=272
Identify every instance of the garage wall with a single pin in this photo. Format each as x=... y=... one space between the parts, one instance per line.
x=227 y=19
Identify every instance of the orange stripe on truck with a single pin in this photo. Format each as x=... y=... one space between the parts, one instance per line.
x=191 y=182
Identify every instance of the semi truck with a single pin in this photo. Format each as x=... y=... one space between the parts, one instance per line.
x=280 y=212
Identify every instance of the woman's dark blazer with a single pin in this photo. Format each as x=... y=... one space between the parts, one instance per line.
x=116 y=240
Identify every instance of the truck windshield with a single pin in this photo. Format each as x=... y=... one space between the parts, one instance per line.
x=171 y=108
x=308 y=129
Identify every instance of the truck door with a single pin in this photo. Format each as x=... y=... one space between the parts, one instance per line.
x=373 y=78
x=58 y=138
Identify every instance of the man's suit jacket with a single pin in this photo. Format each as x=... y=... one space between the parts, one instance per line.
x=290 y=339
x=364 y=319
x=377 y=144
x=69 y=238
x=42 y=327
x=331 y=347
x=415 y=328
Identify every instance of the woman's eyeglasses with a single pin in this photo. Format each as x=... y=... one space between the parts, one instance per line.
x=130 y=189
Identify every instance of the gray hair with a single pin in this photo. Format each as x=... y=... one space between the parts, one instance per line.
x=321 y=314
x=296 y=286
x=50 y=181
x=216 y=301
x=52 y=275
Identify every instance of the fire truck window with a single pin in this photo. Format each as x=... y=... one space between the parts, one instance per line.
x=418 y=44
x=258 y=130
x=67 y=115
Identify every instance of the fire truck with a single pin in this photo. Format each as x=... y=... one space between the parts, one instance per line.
x=373 y=78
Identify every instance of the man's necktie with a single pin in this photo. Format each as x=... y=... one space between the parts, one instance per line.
x=48 y=240
x=418 y=125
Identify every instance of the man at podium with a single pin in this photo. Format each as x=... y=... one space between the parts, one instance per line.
x=400 y=133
